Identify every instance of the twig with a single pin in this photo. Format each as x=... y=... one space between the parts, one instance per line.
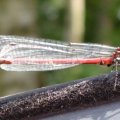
x=61 y=98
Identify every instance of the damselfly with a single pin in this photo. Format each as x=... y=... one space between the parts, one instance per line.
x=31 y=54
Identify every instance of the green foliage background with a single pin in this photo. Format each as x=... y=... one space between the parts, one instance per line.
x=102 y=25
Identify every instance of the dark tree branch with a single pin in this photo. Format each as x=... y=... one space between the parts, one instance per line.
x=61 y=98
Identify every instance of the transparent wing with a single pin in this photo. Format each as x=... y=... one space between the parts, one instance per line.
x=90 y=50
x=31 y=54
x=12 y=48
x=34 y=67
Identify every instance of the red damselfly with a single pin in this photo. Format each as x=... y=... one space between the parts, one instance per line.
x=32 y=54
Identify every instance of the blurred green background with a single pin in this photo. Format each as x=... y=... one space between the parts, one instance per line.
x=71 y=21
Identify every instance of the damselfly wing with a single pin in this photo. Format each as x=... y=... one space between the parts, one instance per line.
x=32 y=54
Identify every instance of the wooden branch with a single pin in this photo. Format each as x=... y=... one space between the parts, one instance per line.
x=61 y=98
